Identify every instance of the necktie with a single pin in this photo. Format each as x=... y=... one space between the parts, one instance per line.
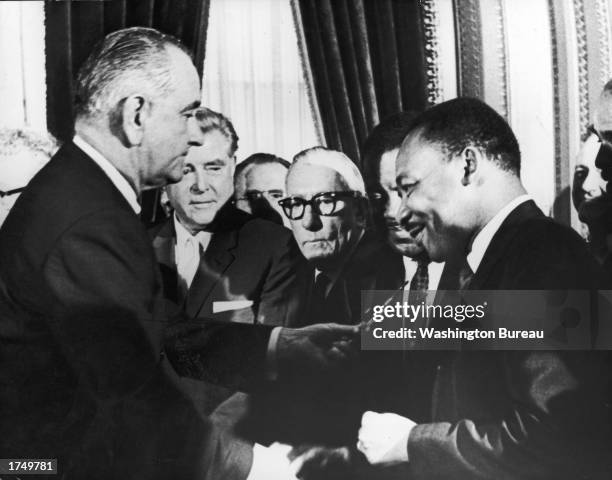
x=420 y=280
x=465 y=275
x=317 y=298
x=419 y=284
x=188 y=265
x=320 y=287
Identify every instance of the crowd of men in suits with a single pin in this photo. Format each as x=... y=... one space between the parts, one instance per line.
x=179 y=352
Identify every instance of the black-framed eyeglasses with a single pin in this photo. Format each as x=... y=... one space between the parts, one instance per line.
x=324 y=203
x=11 y=192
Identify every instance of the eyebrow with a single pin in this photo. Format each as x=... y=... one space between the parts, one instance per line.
x=193 y=105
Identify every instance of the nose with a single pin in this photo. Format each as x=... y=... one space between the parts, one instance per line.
x=194 y=132
x=201 y=183
x=403 y=213
x=311 y=220
x=392 y=206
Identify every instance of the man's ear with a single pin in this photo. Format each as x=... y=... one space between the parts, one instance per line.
x=470 y=158
x=133 y=117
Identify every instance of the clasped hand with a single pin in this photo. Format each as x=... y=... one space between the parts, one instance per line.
x=321 y=347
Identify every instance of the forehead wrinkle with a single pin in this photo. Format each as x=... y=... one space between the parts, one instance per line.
x=307 y=189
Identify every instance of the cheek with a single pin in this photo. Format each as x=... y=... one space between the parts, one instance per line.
x=331 y=228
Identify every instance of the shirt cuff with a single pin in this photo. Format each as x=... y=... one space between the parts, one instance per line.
x=271 y=463
x=271 y=360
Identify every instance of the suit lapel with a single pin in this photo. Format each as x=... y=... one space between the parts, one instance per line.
x=216 y=260
x=164 y=247
x=496 y=250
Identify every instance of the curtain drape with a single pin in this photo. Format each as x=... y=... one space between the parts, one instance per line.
x=367 y=60
x=253 y=75
x=72 y=28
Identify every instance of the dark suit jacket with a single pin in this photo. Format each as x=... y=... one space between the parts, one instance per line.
x=372 y=266
x=90 y=362
x=247 y=259
x=520 y=414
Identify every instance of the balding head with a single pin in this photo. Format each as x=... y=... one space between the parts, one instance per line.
x=125 y=62
x=135 y=98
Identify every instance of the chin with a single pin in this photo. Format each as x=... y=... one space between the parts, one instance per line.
x=437 y=253
x=408 y=250
x=317 y=254
x=203 y=219
x=405 y=246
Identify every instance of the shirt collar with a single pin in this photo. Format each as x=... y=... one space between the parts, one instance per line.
x=483 y=238
x=182 y=234
x=111 y=172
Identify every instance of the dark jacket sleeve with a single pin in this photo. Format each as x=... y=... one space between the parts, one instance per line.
x=105 y=307
x=552 y=419
x=551 y=426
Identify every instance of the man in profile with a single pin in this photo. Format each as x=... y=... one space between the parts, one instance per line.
x=379 y=154
x=259 y=183
x=504 y=414
x=22 y=154
x=91 y=360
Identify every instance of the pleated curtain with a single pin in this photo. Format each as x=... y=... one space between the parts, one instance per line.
x=367 y=61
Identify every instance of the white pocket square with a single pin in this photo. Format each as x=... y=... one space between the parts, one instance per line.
x=219 y=307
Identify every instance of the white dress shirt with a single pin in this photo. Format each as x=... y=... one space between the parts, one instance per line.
x=187 y=253
x=111 y=172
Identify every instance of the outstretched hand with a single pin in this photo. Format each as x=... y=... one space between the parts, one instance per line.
x=322 y=347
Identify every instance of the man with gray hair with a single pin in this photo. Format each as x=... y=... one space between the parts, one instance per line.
x=91 y=359
x=328 y=212
x=22 y=153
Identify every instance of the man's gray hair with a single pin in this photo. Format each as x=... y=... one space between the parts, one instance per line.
x=122 y=63
x=15 y=140
x=347 y=171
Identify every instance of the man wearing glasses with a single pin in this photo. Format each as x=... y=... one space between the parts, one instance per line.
x=328 y=211
x=259 y=183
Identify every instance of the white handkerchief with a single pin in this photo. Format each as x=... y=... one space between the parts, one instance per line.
x=228 y=305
